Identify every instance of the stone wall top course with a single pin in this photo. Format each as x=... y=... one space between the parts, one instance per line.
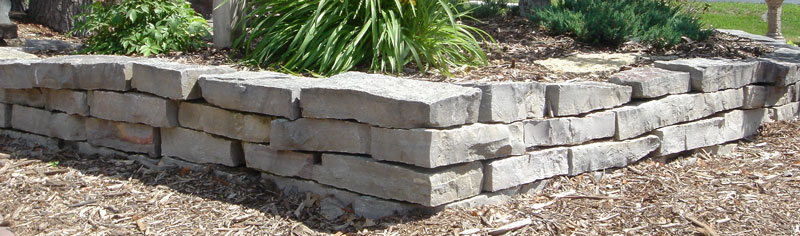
x=267 y=93
x=567 y=99
x=781 y=67
x=17 y=74
x=650 y=82
x=88 y=72
x=170 y=79
x=709 y=75
x=510 y=101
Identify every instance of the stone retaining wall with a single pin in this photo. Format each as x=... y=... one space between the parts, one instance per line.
x=381 y=145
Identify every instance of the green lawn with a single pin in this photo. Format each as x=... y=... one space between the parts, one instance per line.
x=747 y=17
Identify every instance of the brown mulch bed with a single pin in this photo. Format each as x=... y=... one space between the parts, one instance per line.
x=753 y=191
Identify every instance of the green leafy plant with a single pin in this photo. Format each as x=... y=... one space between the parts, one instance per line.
x=331 y=36
x=659 y=23
x=53 y=163
x=143 y=27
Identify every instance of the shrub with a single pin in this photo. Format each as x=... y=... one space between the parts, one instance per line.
x=331 y=36
x=143 y=27
x=659 y=23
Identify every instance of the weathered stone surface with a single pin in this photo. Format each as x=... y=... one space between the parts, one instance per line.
x=231 y=124
x=517 y=170
x=279 y=162
x=5 y=115
x=697 y=134
x=440 y=147
x=710 y=75
x=517 y=131
x=756 y=96
x=786 y=112
x=569 y=130
x=199 y=147
x=17 y=74
x=170 y=79
x=133 y=108
x=259 y=92
x=56 y=125
x=391 y=102
x=566 y=99
x=322 y=135
x=123 y=136
x=649 y=82
x=29 y=97
x=85 y=148
x=639 y=118
x=87 y=72
x=718 y=150
x=485 y=198
x=743 y=123
x=604 y=155
x=509 y=102
x=31 y=140
x=428 y=187
x=589 y=62
x=69 y=101
x=796 y=88
x=781 y=67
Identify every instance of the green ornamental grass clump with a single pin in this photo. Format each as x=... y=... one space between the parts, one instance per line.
x=326 y=37
x=141 y=27
x=659 y=23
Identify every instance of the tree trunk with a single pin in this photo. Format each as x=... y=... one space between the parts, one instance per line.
x=525 y=6
x=56 y=14
x=19 y=5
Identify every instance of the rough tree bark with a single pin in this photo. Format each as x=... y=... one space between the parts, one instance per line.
x=56 y=14
x=525 y=6
x=19 y=5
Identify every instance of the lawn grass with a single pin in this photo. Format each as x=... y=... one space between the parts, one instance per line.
x=747 y=17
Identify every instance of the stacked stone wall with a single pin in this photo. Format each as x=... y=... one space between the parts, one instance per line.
x=381 y=145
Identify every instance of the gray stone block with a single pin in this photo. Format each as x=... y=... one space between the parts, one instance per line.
x=431 y=148
x=688 y=136
x=278 y=162
x=231 y=124
x=28 y=97
x=649 y=82
x=781 y=67
x=786 y=112
x=483 y=199
x=718 y=150
x=323 y=135
x=604 y=155
x=123 y=136
x=170 y=79
x=43 y=122
x=428 y=187
x=391 y=102
x=509 y=102
x=69 y=101
x=5 y=115
x=133 y=108
x=566 y=99
x=710 y=75
x=199 y=147
x=569 y=130
x=17 y=74
x=267 y=93
x=88 y=72
x=32 y=140
x=756 y=96
x=740 y=124
x=514 y=171
x=87 y=149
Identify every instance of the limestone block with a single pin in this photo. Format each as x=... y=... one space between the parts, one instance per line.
x=718 y=150
x=781 y=67
x=87 y=149
x=88 y=72
x=32 y=140
x=517 y=131
x=170 y=79
x=69 y=101
x=267 y=93
x=278 y=162
x=323 y=135
x=428 y=187
x=688 y=136
x=509 y=102
x=133 y=108
x=513 y=171
x=128 y=137
x=28 y=97
x=231 y=124
x=785 y=113
x=5 y=115
x=743 y=123
x=706 y=104
x=650 y=82
x=710 y=75
x=17 y=74
x=566 y=99
x=604 y=155
x=569 y=130
x=756 y=96
x=440 y=147
x=43 y=122
x=199 y=147
x=391 y=102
